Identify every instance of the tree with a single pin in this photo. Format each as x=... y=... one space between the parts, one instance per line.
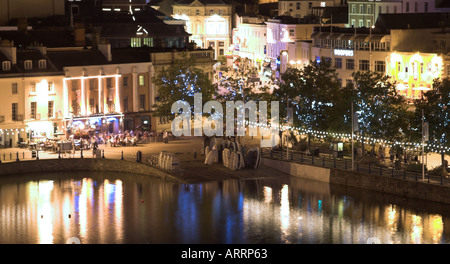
x=381 y=110
x=435 y=104
x=312 y=92
x=180 y=81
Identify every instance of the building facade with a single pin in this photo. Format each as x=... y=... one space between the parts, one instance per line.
x=209 y=22
x=303 y=8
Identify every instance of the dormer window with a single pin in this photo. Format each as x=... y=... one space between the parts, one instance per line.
x=42 y=64
x=6 y=65
x=28 y=65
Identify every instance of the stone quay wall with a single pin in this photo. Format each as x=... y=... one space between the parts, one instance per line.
x=393 y=185
x=82 y=164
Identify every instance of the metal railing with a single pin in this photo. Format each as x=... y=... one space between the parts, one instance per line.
x=327 y=161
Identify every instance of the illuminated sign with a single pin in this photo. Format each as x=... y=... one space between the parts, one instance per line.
x=342 y=52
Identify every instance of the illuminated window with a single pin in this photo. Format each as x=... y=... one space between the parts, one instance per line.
x=33 y=87
x=141 y=80
x=361 y=23
x=51 y=87
x=323 y=4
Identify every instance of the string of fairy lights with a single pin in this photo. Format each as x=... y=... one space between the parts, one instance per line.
x=408 y=146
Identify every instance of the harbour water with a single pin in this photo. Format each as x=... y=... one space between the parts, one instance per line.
x=121 y=208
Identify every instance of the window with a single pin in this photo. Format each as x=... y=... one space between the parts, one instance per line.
x=211 y=12
x=407 y=7
x=350 y=64
x=142 y=102
x=108 y=82
x=33 y=87
x=51 y=87
x=361 y=9
x=368 y=23
x=91 y=103
x=425 y=8
x=92 y=84
x=125 y=104
x=380 y=66
x=14 y=88
x=221 y=52
x=33 y=110
x=6 y=65
x=338 y=63
x=141 y=80
x=448 y=70
x=74 y=85
x=197 y=12
x=363 y=65
x=297 y=6
x=353 y=8
x=353 y=23
x=220 y=12
x=369 y=9
x=50 y=109
x=291 y=33
x=14 y=109
x=395 y=9
x=221 y=44
x=387 y=9
x=125 y=81
x=379 y=10
x=348 y=82
x=416 y=7
x=42 y=64
x=28 y=65
x=361 y=23
x=309 y=5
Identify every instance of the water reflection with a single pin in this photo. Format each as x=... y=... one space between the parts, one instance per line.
x=117 y=208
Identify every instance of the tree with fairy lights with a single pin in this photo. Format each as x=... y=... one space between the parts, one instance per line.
x=435 y=104
x=179 y=81
x=312 y=92
x=381 y=110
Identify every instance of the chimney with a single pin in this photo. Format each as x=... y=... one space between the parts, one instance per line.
x=105 y=49
x=7 y=48
x=79 y=35
x=22 y=24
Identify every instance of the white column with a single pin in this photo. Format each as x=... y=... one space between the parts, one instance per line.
x=135 y=91
x=100 y=93
x=65 y=99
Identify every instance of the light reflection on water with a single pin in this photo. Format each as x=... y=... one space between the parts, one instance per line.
x=117 y=208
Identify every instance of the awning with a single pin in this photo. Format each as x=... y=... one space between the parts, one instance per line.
x=360 y=38
x=376 y=38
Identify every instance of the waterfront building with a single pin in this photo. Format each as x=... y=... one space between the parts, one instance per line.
x=364 y=13
x=31 y=105
x=209 y=22
x=303 y=8
x=249 y=40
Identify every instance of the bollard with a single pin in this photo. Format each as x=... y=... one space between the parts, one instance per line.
x=103 y=153
x=334 y=162
x=4 y=156
x=416 y=175
x=17 y=159
x=195 y=154
x=312 y=159
x=428 y=177
x=59 y=154
x=441 y=178
x=81 y=153
x=23 y=155
x=121 y=155
x=37 y=154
